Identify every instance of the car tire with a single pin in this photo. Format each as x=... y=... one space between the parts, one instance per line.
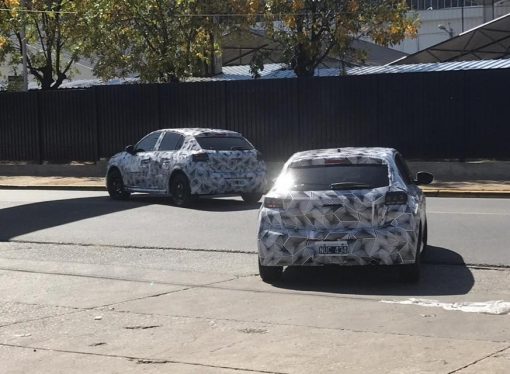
x=410 y=273
x=270 y=274
x=115 y=185
x=180 y=190
x=251 y=198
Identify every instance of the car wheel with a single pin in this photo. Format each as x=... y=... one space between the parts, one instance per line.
x=251 y=198
x=115 y=186
x=410 y=273
x=270 y=274
x=180 y=190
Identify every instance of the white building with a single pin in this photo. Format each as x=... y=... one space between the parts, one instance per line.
x=442 y=19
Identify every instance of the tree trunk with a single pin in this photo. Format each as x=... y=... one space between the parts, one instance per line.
x=302 y=64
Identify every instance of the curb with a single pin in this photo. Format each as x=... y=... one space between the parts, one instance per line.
x=54 y=188
x=472 y=193
x=428 y=193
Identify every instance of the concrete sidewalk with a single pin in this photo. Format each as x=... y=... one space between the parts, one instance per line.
x=473 y=188
x=68 y=309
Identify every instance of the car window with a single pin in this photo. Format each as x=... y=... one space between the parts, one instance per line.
x=171 y=142
x=224 y=143
x=148 y=143
x=403 y=169
x=323 y=177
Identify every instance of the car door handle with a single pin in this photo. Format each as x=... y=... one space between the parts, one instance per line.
x=146 y=161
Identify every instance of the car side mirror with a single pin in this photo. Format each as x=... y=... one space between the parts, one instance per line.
x=423 y=178
x=130 y=149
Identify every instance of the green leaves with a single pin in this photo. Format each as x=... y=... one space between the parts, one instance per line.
x=54 y=32
x=309 y=30
x=158 y=40
x=167 y=40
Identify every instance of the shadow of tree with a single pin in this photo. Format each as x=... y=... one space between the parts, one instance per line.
x=203 y=204
x=23 y=219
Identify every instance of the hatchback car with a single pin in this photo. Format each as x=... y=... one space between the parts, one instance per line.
x=186 y=163
x=349 y=206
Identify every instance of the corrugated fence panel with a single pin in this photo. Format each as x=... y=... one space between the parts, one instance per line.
x=444 y=116
x=125 y=114
x=337 y=112
x=199 y=104
x=456 y=115
x=487 y=119
x=19 y=140
x=67 y=120
x=266 y=112
x=397 y=115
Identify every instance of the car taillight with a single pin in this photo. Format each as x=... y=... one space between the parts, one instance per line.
x=259 y=156
x=273 y=203
x=395 y=198
x=198 y=157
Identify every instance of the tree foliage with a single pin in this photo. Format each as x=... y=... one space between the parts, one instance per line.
x=159 y=40
x=166 y=40
x=54 y=33
x=309 y=30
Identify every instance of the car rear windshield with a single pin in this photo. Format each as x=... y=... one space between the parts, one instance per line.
x=224 y=143
x=339 y=177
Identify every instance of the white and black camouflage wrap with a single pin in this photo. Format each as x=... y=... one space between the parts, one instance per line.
x=225 y=172
x=376 y=233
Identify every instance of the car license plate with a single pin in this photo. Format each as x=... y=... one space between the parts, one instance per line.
x=238 y=182
x=336 y=248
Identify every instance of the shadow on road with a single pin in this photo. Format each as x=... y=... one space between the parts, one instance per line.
x=451 y=278
x=203 y=204
x=24 y=219
x=28 y=218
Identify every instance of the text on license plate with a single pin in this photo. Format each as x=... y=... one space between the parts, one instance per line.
x=337 y=248
x=237 y=182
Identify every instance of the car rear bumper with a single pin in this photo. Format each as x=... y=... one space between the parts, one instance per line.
x=381 y=246
x=229 y=183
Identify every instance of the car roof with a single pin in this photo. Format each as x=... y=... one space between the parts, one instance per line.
x=198 y=131
x=355 y=155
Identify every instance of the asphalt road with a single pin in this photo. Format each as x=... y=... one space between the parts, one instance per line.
x=471 y=231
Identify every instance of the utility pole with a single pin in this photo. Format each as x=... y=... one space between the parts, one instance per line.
x=24 y=51
x=463 y=2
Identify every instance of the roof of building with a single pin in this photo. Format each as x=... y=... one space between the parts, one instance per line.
x=488 y=41
x=271 y=71
x=432 y=67
x=278 y=71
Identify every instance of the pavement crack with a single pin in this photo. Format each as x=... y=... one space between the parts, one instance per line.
x=141 y=247
x=479 y=266
x=77 y=310
x=141 y=327
x=141 y=360
x=480 y=359
x=188 y=287
x=297 y=325
x=97 y=344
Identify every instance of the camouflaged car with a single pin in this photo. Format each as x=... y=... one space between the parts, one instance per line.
x=348 y=206
x=186 y=163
